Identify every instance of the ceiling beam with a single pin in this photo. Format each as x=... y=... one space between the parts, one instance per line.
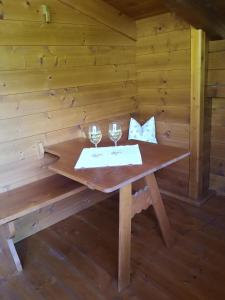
x=200 y=14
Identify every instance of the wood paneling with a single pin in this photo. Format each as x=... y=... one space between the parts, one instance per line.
x=57 y=77
x=163 y=23
x=106 y=14
x=77 y=12
x=53 y=57
x=216 y=80
x=165 y=42
x=138 y=9
x=162 y=61
x=165 y=96
x=163 y=80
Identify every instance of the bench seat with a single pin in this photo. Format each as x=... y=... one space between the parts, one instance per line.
x=23 y=201
x=29 y=198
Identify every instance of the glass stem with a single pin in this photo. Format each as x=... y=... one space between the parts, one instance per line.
x=115 y=143
x=96 y=145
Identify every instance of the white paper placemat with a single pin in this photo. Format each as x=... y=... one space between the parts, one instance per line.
x=109 y=157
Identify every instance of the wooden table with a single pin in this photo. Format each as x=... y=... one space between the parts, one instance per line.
x=110 y=179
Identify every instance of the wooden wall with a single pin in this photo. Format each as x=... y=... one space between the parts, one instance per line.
x=216 y=82
x=163 y=81
x=85 y=66
x=54 y=77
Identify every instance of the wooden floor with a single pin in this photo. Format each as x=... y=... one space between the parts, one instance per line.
x=77 y=258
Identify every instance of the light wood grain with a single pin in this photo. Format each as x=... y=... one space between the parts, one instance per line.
x=55 y=99
x=198 y=66
x=164 y=96
x=162 y=43
x=163 y=88
x=61 y=34
x=106 y=14
x=37 y=80
x=125 y=208
x=51 y=73
x=63 y=57
x=164 y=61
x=160 y=24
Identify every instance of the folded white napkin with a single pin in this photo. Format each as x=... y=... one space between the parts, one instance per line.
x=109 y=157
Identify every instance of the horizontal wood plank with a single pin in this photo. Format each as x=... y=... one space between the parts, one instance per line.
x=44 y=101
x=172 y=41
x=35 y=33
x=164 y=61
x=63 y=57
x=51 y=79
x=160 y=24
x=164 y=96
x=21 y=127
x=167 y=113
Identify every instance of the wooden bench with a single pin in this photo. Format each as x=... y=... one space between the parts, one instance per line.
x=20 y=202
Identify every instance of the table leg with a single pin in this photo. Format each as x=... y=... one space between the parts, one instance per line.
x=159 y=209
x=125 y=207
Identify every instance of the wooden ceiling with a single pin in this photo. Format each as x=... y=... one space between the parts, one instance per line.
x=138 y=9
x=208 y=15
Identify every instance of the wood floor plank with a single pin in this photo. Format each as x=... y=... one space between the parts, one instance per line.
x=87 y=267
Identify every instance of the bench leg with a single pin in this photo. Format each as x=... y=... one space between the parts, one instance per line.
x=9 y=259
x=125 y=216
x=159 y=209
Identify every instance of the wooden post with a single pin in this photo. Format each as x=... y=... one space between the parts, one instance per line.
x=124 y=236
x=198 y=67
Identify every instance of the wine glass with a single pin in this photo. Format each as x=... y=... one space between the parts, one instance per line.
x=95 y=134
x=115 y=132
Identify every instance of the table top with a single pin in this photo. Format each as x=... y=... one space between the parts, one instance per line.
x=109 y=179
